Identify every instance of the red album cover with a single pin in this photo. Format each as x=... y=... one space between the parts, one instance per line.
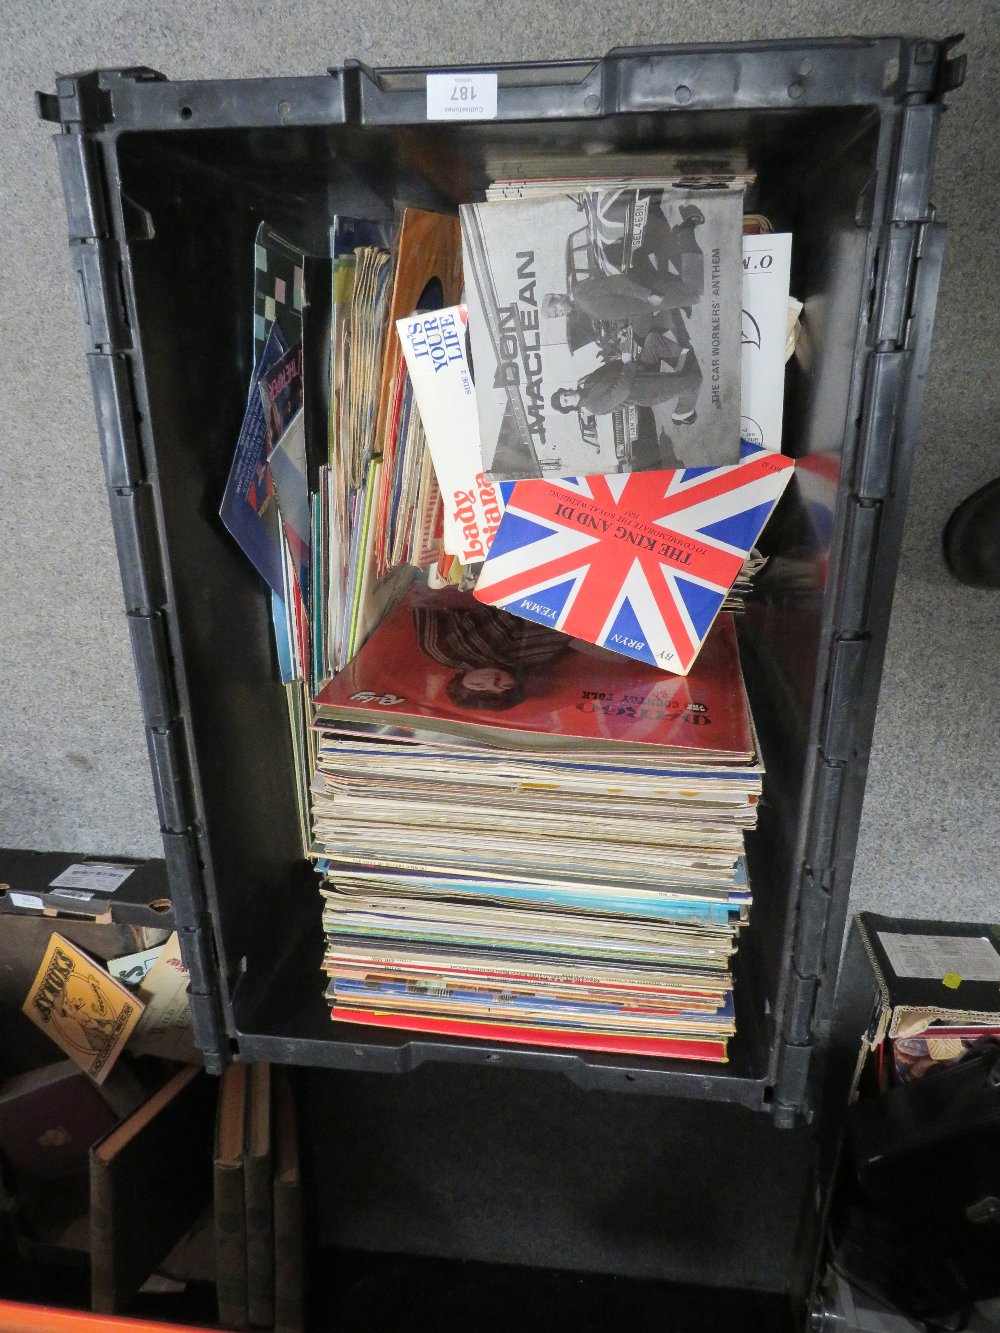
x=444 y=660
x=677 y=1048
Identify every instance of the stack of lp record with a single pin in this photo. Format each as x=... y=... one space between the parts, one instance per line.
x=528 y=838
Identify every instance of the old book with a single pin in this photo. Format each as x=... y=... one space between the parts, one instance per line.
x=260 y=1199
x=149 y=1179
x=602 y=319
x=230 y=1198
x=49 y=1117
x=289 y=1276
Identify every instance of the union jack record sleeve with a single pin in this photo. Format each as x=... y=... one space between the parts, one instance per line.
x=641 y=563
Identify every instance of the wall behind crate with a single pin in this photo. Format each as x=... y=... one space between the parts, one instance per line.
x=73 y=766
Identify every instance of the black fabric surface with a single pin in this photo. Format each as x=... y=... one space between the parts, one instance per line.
x=513 y=1167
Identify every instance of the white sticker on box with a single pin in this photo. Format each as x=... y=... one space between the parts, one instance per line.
x=78 y=895
x=101 y=876
x=26 y=900
x=464 y=95
x=935 y=957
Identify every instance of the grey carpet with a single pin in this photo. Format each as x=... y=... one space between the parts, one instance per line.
x=73 y=768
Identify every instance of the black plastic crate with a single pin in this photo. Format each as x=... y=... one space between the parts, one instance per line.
x=165 y=184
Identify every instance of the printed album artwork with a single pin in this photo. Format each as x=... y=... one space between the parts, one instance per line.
x=509 y=596
x=640 y=564
x=605 y=330
x=434 y=344
x=441 y=658
x=281 y=392
x=249 y=509
x=279 y=288
x=82 y=1008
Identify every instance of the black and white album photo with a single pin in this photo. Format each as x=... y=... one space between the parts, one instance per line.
x=605 y=330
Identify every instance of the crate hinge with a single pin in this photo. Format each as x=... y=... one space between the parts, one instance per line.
x=809 y=947
x=792 y=1083
x=206 y=1024
x=911 y=183
x=902 y=247
x=799 y=1012
x=861 y=533
x=805 y=976
x=197 y=941
x=828 y=792
x=96 y=264
x=134 y=524
x=899 y=251
x=884 y=391
x=184 y=873
x=114 y=404
x=848 y=657
x=170 y=785
x=83 y=187
x=151 y=655
x=100 y=292
x=198 y=955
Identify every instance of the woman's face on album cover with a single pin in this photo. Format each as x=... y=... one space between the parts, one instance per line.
x=489 y=680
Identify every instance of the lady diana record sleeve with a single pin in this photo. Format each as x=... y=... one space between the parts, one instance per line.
x=605 y=330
